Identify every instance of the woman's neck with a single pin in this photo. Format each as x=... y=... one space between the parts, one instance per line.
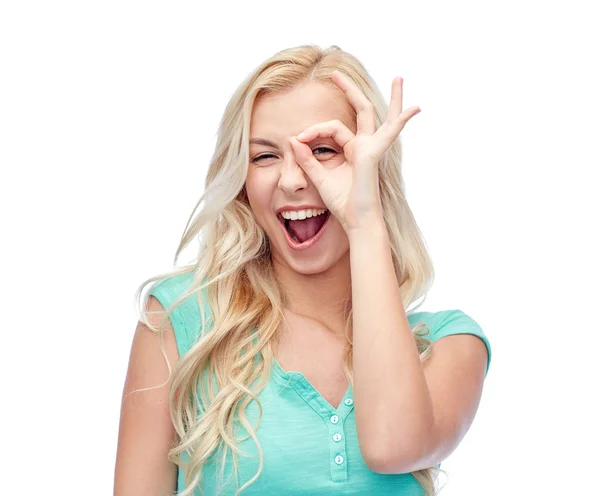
x=320 y=297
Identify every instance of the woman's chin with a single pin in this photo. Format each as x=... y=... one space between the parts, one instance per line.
x=316 y=259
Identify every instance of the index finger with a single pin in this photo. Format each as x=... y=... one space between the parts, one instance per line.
x=331 y=129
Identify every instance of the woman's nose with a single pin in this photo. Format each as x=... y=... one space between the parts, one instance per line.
x=292 y=176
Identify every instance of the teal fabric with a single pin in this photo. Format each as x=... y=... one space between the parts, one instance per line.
x=309 y=447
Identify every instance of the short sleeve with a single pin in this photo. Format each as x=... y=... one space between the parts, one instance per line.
x=185 y=318
x=449 y=322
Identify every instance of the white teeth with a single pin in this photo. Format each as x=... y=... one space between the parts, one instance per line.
x=302 y=214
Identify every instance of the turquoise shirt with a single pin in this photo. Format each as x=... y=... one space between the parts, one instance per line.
x=309 y=447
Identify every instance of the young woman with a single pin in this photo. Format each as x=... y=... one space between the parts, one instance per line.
x=283 y=361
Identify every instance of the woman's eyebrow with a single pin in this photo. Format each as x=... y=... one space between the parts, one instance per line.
x=265 y=142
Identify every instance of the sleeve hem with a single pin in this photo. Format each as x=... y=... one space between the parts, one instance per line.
x=177 y=323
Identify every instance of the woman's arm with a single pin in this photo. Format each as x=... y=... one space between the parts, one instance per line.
x=146 y=433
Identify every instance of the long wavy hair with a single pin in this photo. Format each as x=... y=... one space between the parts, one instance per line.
x=233 y=272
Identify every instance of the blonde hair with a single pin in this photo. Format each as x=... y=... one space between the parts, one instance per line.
x=234 y=275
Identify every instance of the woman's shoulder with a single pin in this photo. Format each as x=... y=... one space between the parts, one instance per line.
x=449 y=322
x=441 y=320
x=185 y=317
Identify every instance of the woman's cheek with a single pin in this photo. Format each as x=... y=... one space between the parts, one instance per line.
x=259 y=201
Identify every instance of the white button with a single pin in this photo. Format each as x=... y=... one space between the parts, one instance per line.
x=348 y=401
x=337 y=436
x=339 y=459
x=334 y=419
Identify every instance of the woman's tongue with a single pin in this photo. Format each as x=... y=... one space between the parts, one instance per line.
x=307 y=228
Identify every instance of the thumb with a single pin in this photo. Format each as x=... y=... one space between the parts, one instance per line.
x=308 y=162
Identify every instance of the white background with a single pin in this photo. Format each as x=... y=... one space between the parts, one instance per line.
x=108 y=115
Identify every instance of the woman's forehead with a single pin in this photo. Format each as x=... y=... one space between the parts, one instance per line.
x=293 y=111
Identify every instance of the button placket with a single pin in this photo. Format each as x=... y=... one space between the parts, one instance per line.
x=337 y=447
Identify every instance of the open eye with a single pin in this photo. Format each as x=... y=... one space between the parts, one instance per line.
x=323 y=148
x=327 y=150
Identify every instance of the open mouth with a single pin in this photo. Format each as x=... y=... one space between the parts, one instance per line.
x=302 y=232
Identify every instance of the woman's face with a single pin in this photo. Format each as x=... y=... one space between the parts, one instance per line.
x=275 y=180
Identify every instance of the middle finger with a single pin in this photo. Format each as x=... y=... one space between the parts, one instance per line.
x=365 y=116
